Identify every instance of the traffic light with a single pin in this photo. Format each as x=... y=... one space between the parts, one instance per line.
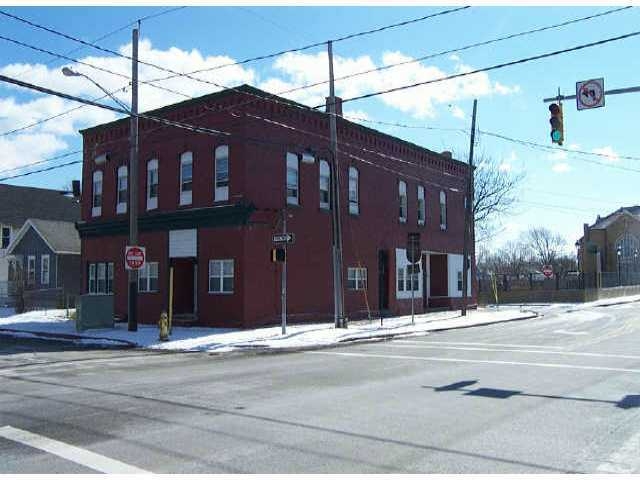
x=557 y=129
x=278 y=255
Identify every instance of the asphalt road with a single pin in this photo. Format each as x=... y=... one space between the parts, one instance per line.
x=555 y=394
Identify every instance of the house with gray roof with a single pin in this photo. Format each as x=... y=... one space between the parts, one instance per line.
x=49 y=253
x=17 y=204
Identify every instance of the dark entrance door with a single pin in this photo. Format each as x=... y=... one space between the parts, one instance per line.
x=183 y=283
x=383 y=280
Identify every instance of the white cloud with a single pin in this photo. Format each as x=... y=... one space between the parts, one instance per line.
x=561 y=167
x=355 y=115
x=558 y=155
x=454 y=58
x=507 y=164
x=611 y=155
x=457 y=112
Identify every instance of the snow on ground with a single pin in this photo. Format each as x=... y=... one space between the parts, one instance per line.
x=54 y=322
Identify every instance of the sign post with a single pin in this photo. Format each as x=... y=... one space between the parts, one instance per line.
x=134 y=257
x=413 y=256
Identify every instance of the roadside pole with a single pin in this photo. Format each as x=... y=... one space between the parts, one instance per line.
x=132 y=319
x=284 y=272
x=468 y=212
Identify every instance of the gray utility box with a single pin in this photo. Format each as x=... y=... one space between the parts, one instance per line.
x=94 y=311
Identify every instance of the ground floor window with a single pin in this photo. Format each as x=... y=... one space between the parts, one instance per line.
x=148 y=277
x=459 y=281
x=221 y=273
x=357 y=278
x=31 y=270
x=100 y=278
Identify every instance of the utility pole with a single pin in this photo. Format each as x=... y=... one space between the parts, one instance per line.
x=132 y=320
x=338 y=298
x=468 y=214
x=284 y=270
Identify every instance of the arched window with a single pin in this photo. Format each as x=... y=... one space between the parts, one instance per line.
x=186 y=178
x=293 y=181
x=421 y=205
x=402 y=194
x=221 y=188
x=325 y=185
x=627 y=248
x=354 y=200
x=443 y=210
x=152 y=184
x=96 y=194
x=123 y=191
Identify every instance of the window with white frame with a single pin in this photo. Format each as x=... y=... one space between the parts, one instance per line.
x=6 y=236
x=354 y=201
x=221 y=274
x=100 y=278
x=421 y=206
x=123 y=191
x=221 y=191
x=443 y=210
x=400 y=278
x=357 y=278
x=459 y=281
x=44 y=269
x=148 y=278
x=293 y=179
x=325 y=185
x=96 y=194
x=31 y=270
x=152 y=184
x=186 y=178
x=408 y=276
x=402 y=196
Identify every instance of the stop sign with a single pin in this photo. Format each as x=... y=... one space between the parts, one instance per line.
x=547 y=271
x=134 y=257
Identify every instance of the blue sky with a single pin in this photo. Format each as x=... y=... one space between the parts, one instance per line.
x=562 y=190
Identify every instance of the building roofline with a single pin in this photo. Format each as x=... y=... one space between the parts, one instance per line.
x=265 y=95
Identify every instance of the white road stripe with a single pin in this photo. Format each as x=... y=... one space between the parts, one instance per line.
x=567 y=332
x=480 y=349
x=468 y=360
x=476 y=343
x=77 y=455
x=625 y=460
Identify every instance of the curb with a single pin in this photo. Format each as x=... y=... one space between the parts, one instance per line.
x=248 y=350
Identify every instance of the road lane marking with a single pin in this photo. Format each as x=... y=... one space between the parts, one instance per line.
x=480 y=349
x=468 y=360
x=476 y=343
x=74 y=454
x=566 y=332
x=624 y=460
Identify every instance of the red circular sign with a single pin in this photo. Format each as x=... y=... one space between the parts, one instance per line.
x=134 y=257
x=547 y=271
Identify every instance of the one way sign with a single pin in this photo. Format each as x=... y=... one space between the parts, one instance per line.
x=284 y=238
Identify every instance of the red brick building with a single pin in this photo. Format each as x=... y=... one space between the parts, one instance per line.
x=209 y=205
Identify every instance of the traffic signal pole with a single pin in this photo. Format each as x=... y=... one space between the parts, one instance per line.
x=132 y=319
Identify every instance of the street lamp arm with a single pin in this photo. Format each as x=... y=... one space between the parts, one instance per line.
x=123 y=105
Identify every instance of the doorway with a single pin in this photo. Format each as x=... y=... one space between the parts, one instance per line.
x=184 y=283
x=383 y=280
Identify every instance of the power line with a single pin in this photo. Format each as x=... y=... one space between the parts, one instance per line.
x=317 y=44
x=493 y=67
x=40 y=170
x=455 y=50
x=58 y=157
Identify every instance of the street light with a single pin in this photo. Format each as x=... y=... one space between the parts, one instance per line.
x=67 y=72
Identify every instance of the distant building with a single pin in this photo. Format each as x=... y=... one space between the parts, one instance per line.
x=210 y=204
x=17 y=204
x=49 y=252
x=611 y=246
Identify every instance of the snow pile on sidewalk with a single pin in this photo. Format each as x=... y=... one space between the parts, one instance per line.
x=55 y=323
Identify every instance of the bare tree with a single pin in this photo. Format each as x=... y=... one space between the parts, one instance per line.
x=516 y=256
x=548 y=247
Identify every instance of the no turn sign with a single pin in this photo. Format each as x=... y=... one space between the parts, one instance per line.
x=134 y=257
x=590 y=94
x=547 y=271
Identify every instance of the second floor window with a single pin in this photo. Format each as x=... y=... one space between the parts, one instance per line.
x=421 y=205
x=354 y=202
x=293 y=189
x=402 y=194
x=6 y=236
x=152 y=184
x=186 y=178
x=325 y=185
x=123 y=191
x=96 y=194
x=221 y=173
x=443 y=210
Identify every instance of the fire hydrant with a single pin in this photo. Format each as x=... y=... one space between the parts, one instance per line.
x=163 y=326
